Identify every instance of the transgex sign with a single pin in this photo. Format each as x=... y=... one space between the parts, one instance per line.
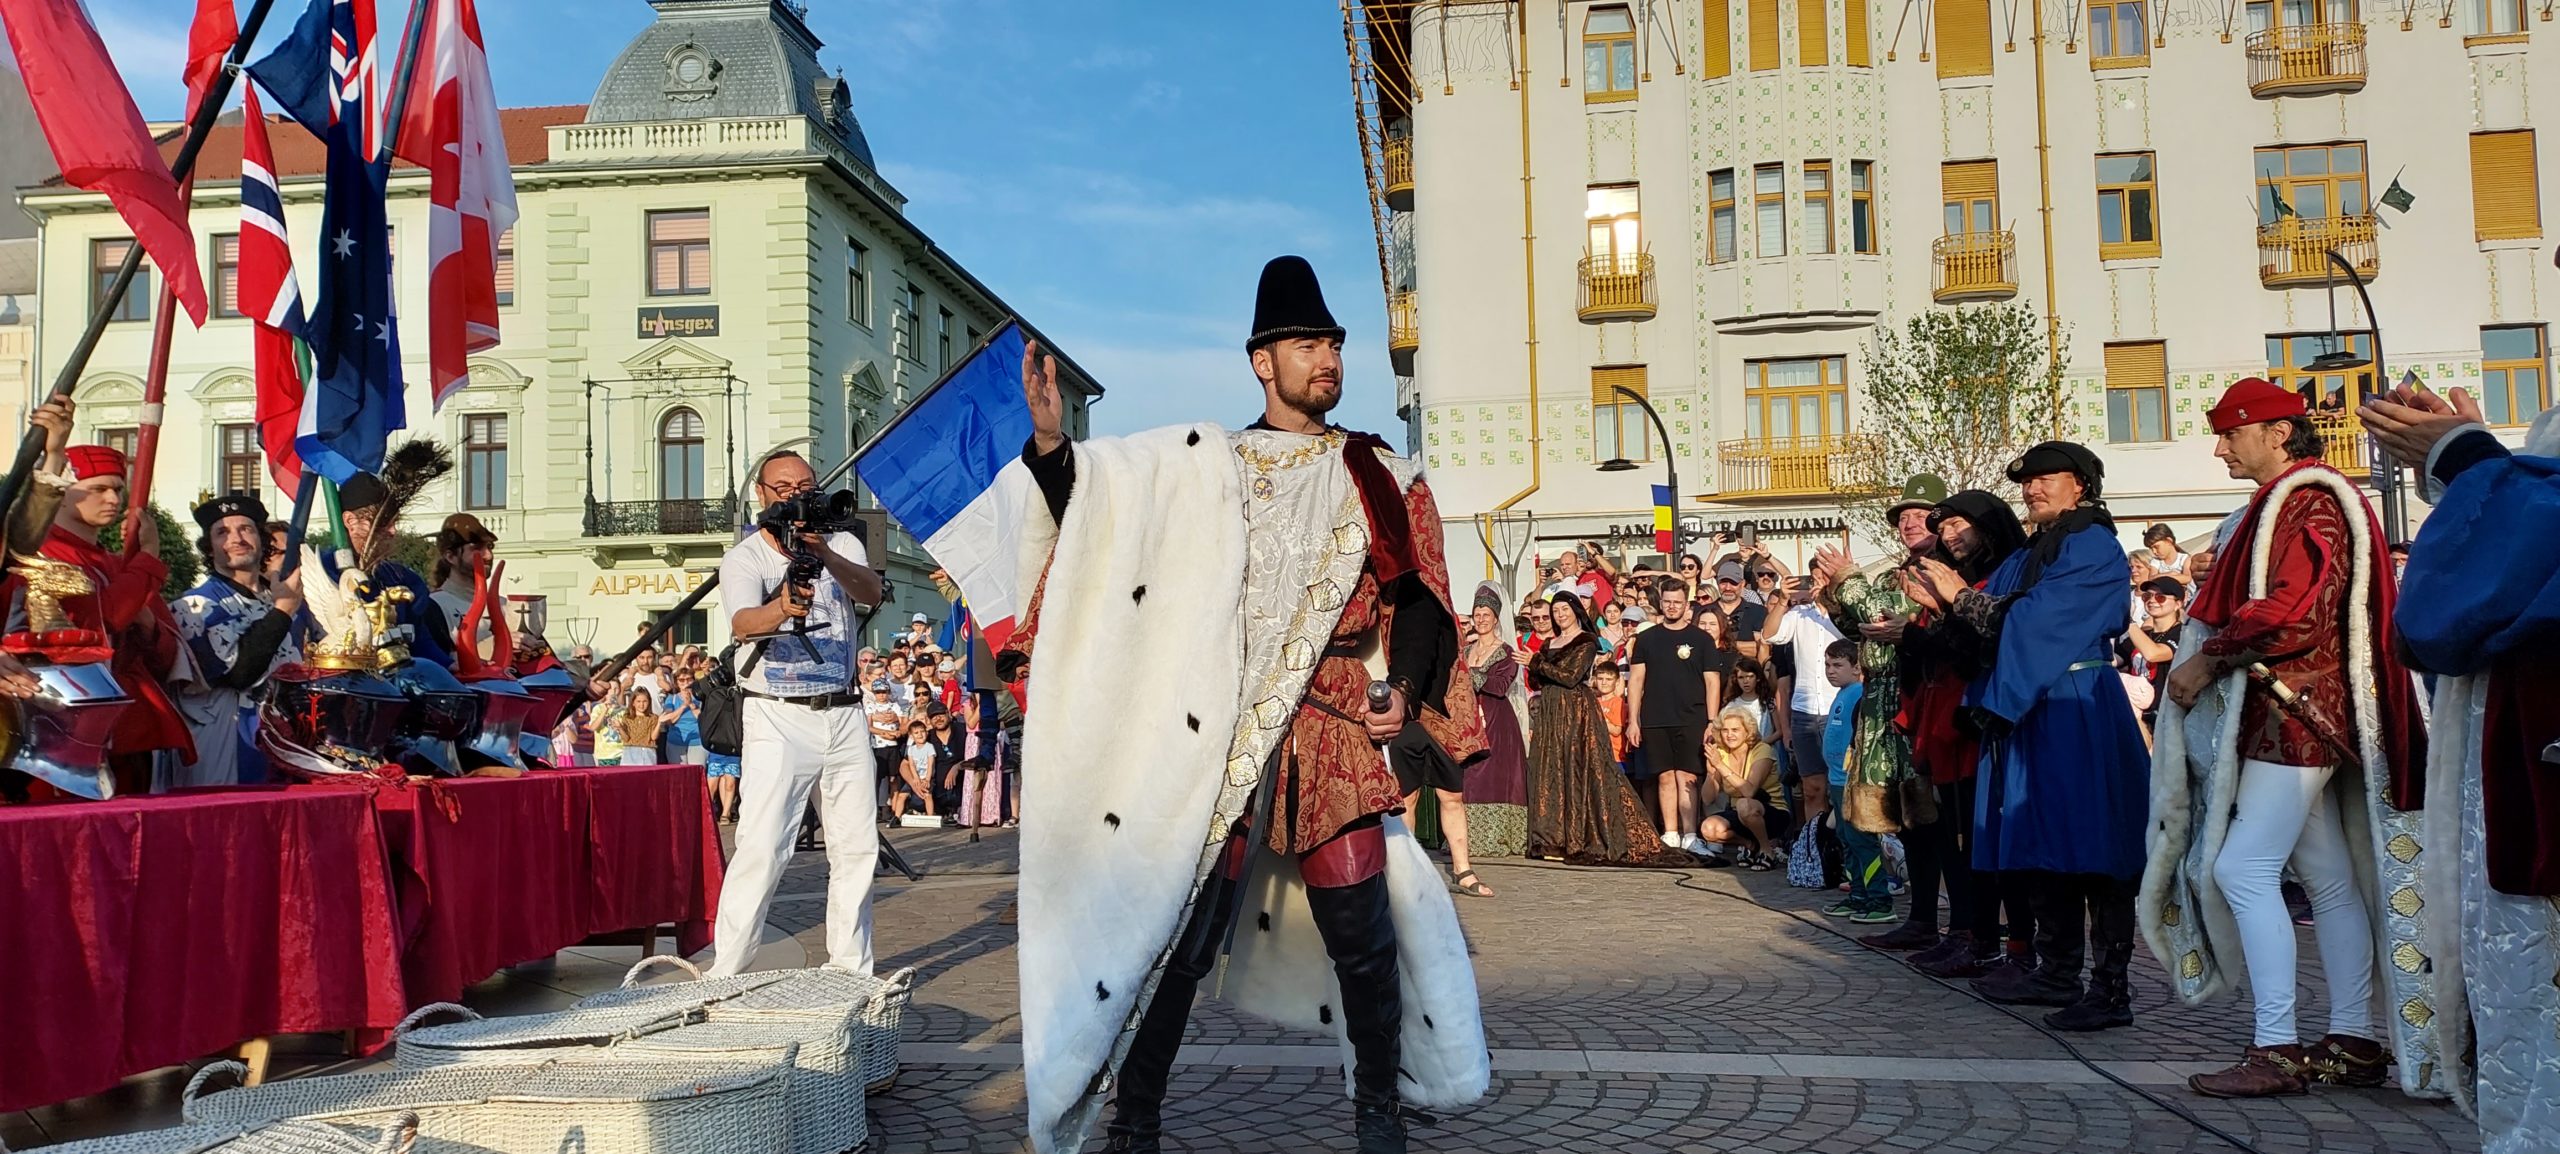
x=680 y=321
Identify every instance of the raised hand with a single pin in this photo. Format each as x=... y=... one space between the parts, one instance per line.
x=1040 y=391
x=1919 y=592
x=1830 y=564
x=2415 y=418
x=1944 y=583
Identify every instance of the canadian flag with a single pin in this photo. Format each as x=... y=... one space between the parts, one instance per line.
x=451 y=128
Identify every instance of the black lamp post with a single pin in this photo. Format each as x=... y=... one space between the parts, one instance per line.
x=1670 y=466
x=2341 y=358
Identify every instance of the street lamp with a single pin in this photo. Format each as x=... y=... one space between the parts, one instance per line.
x=2341 y=358
x=1670 y=466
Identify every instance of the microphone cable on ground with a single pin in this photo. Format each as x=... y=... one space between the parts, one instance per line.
x=1687 y=879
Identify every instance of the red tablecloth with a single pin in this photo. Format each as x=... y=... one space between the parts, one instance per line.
x=493 y=872
x=149 y=931
x=144 y=932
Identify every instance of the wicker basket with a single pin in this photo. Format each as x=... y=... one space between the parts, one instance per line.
x=395 y=1135
x=518 y=1039
x=797 y=1002
x=699 y=991
x=597 y=1104
x=826 y=1096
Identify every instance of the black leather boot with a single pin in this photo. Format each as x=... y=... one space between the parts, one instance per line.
x=1360 y=935
x=1137 y=1122
x=2060 y=947
x=2109 y=1002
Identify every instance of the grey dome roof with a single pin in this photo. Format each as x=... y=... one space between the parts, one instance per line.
x=706 y=59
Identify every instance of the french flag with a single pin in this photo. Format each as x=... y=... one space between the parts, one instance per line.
x=950 y=470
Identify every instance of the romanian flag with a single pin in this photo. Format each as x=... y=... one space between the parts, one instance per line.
x=1662 y=518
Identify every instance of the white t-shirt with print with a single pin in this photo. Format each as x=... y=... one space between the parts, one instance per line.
x=821 y=662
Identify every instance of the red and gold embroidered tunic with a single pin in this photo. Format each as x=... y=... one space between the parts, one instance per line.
x=2300 y=628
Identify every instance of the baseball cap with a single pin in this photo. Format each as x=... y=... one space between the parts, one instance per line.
x=1729 y=571
x=880 y=686
x=919 y=619
x=1632 y=614
x=2166 y=587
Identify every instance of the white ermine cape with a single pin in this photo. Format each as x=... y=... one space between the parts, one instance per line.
x=1165 y=670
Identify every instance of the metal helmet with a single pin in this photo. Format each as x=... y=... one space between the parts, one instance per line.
x=555 y=693
x=504 y=706
x=442 y=711
x=60 y=735
x=330 y=723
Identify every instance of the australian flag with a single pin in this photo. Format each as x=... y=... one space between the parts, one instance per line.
x=354 y=398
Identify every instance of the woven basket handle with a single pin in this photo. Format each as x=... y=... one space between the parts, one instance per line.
x=422 y=1013
x=401 y=1136
x=195 y=1085
x=633 y=977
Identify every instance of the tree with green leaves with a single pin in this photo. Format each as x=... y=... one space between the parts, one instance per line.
x=1954 y=392
x=177 y=551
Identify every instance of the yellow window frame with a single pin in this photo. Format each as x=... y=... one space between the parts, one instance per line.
x=2511 y=373
x=2126 y=194
x=1615 y=47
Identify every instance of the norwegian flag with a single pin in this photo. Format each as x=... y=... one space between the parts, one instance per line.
x=451 y=128
x=270 y=296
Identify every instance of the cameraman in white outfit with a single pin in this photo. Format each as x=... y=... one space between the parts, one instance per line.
x=804 y=727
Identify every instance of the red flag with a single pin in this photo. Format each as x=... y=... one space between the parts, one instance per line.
x=270 y=297
x=209 y=39
x=98 y=137
x=450 y=127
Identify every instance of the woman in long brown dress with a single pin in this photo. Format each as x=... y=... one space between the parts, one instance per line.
x=1581 y=808
x=1497 y=784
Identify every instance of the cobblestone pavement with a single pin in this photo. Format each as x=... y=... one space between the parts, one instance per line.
x=1707 y=1010
x=1711 y=1010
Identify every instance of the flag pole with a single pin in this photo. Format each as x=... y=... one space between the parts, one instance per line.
x=405 y=65
x=200 y=126
x=155 y=391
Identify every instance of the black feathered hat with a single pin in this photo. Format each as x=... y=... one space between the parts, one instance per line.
x=362 y=491
x=1290 y=304
x=233 y=504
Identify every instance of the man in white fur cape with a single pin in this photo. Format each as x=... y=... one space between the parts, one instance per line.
x=2484 y=617
x=1208 y=770
x=2292 y=736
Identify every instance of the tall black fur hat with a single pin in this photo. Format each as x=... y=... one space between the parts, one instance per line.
x=1289 y=304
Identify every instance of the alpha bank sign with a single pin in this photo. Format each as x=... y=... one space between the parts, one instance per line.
x=679 y=321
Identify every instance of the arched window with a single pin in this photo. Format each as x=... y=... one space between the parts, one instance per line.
x=680 y=456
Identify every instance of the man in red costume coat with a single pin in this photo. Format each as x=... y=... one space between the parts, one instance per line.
x=127 y=608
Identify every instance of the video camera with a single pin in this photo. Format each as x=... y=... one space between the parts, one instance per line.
x=815 y=512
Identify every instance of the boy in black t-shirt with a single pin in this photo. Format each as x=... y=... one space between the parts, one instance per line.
x=1677 y=677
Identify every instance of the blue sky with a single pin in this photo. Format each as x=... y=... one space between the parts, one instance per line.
x=1118 y=170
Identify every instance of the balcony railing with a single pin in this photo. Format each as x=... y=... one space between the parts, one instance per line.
x=672 y=518
x=1794 y=467
x=2342 y=441
x=2306 y=58
x=1974 y=266
x=1404 y=335
x=1616 y=288
x=1399 y=174
x=2292 y=251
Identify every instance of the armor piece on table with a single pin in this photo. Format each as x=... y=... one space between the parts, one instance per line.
x=59 y=736
x=336 y=715
x=330 y=723
x=442 y=712
x=555 y=693
x=505 y=706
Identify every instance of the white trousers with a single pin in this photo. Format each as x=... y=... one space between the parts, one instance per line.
x=2285 y=813
x=790 y=749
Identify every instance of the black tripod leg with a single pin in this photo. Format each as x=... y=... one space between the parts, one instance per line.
x=890 y=857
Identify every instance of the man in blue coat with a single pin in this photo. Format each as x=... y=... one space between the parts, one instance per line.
x=2065 y=779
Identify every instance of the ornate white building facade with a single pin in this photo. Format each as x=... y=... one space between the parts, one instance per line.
x=1715 y=203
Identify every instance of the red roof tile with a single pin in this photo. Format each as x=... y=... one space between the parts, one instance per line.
x=298 y=153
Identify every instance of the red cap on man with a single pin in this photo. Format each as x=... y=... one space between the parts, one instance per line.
x=89 y=461
x=2254 y=401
